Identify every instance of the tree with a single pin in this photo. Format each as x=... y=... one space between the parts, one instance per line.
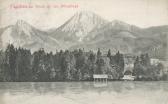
x=109 y=53
x=38 y=67
x=160 y=70
x=23 y=65
x=143 y=70
x=2 y=74
x=69 y=66
x=119 y=63
x=92 y=63
x=98 y=53
x=18 y=64
x=100 y=63
x=145 y=60
x=138 y=70
x=10 y=63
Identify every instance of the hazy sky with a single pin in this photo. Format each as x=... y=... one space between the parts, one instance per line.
x=143 y=13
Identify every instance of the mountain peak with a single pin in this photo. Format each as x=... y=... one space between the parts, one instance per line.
x=87 y=15
x=22 y=26
x=82 y=23
x=84 y=13
x=21 y=22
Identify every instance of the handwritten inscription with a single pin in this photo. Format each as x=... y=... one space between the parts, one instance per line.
x=40 y=6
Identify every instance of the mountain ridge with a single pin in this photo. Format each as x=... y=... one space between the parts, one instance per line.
x=90 y=31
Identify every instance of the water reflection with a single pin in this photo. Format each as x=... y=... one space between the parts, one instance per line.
x=84 y=92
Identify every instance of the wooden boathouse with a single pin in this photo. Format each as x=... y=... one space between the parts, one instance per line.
x=100 y=77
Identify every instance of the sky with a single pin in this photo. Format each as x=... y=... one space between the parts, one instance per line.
x=143 y=13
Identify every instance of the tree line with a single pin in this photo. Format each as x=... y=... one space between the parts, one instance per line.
x=19 y=64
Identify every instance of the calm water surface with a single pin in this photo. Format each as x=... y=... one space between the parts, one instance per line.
x=83 y=93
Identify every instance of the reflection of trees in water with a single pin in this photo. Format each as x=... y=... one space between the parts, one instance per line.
x=58 y=88
x=48 y=87
x=15 y=88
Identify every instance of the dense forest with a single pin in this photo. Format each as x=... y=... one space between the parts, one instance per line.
x=19 y=64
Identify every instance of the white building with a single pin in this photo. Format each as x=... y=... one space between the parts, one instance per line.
x=154 y=61
x=128 y=76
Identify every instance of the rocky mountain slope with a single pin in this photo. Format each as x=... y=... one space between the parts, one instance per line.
x=77 y=28
x=24 y=35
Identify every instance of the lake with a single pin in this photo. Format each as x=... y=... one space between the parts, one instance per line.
x=117 y=92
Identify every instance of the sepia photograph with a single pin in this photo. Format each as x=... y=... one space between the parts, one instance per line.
x=83 y=51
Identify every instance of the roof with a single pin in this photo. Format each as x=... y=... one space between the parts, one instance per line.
x=100 y=76
x=128 y=72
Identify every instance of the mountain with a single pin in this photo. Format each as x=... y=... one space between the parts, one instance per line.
x=89 y=31
x=117 y=35
x=24 y=35
x=115 y=28
x=77 y=27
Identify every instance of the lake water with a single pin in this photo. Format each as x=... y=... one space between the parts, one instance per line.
x=83 y=93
